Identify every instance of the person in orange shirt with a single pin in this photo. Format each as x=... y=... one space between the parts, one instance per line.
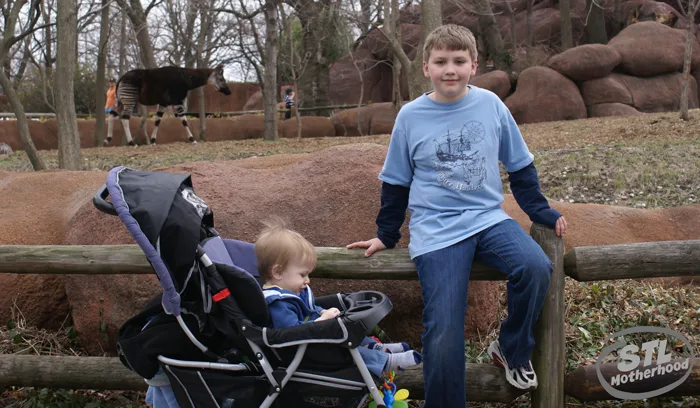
x=111 y=102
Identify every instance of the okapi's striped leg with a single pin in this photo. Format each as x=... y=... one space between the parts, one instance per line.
x=127 y=95
x=180 y=112
x=159 y=114
x=110 y=126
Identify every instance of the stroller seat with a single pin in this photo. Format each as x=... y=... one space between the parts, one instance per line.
x=208 y=331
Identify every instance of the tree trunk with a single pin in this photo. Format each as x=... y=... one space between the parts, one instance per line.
x=431 y=18
x=135 y=12
x=511 y=19
x=48 y=40
x=122 y=54
x=618 y=24
x=492 y=37
x=122 y=47
x=529 y=40
x=567 y=39
x=690 y=38
x=100 y=80
x=68 y=136
x=365 y=16
x=317 y=20
x=396 y=96
x=596 y=22
x=270 y=84
x=29 y=148
x=17 y=80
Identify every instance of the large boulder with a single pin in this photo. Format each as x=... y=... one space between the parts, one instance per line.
x=612 y=109
x=650 y=10
x=585 y=62
x=649 y=48
x=374 y=119
x=608 y=89
x=660 y=93
x=37 y=209
x=544 y=95
x=497 y=82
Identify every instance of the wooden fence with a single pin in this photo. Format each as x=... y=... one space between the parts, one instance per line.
x=484 y=382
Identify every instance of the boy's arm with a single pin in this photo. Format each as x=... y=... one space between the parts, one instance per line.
x=520 y=165
x=525 y=186
x=283 y=315
x=394 y=201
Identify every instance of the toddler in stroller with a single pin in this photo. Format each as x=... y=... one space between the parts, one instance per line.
x=285 y=259
x=209 y=332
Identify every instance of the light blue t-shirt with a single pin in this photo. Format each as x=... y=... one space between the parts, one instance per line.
x=448 y=154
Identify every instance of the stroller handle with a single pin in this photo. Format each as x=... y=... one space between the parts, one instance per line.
x=98 y=200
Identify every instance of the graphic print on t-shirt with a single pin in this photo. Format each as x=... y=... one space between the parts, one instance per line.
x=458 y=160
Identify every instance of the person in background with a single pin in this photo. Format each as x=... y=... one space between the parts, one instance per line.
x=288 y=102
x=111 y=102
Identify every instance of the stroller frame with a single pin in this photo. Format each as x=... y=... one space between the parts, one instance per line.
x=360 y=311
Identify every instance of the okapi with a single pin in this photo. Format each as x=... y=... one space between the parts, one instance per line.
x=166 y=86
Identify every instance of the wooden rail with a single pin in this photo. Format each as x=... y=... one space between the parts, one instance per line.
x=484 y=381
x=607 y=262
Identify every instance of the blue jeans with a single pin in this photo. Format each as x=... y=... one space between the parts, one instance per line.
x=374 y=359
x=444 y=278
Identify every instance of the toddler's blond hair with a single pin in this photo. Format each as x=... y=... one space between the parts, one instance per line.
x=280 y=245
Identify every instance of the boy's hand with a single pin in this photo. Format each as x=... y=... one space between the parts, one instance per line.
x=560 y=226
x=373 y=245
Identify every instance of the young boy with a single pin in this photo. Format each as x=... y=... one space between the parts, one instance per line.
x=442 y=163
x=285 y=260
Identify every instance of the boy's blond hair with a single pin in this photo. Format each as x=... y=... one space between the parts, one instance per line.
x=279 y=245
x=450 y=37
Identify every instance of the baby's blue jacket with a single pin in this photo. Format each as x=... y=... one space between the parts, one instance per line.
x=288 y=309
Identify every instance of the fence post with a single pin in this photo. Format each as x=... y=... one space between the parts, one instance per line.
x=549 y=359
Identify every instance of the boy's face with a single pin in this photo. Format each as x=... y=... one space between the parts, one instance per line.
x=450 y=72
x=294 y=277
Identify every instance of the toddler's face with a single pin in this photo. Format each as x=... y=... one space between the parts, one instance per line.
x=294 y=277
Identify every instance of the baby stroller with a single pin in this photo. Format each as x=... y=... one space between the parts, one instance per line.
x=207 y=331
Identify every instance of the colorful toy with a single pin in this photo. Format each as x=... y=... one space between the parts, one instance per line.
x=392 y=398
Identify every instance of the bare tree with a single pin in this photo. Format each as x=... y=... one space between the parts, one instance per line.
x=295 y=70
x=595 y=22
x=270 y=87
x=431 y=18
x=492 y=36
x=317 y=18
x=529 y=41
x=10 y=37
x=139 y=20
x=567 y=40
x=68 y=136
x=100 y=80
x=689 y=13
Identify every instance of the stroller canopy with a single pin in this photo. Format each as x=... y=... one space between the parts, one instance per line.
x=167 y=220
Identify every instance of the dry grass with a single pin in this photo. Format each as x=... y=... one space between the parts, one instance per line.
x=649 y=161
